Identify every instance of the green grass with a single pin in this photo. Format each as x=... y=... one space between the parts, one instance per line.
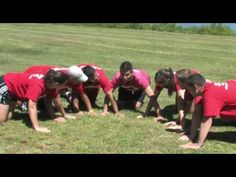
x=23 y=45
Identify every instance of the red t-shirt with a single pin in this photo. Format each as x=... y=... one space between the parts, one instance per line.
x=43 y=69
x=140 y=81
x=24 y=86
x=219 y=99
x=101 y=82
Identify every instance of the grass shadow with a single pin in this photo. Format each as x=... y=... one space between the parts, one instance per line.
x=227 y=136
x=24 y=117
x=222 y=122
x=169 y=112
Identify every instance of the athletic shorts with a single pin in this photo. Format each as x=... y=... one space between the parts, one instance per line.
x=5 y=97
x=127 y=95
x=92 y=95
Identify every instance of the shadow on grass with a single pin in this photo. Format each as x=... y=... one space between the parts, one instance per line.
x=82 y=107
x=169 y=112
x=222 y=122
x=24 y=117
x=227 y=136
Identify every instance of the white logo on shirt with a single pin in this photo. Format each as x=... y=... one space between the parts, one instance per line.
x=221 y=84
x=38 y=76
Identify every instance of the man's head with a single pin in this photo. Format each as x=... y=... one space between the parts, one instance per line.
x=126 y=71
x=195 y=84
x=90 y=72
x=55 y=79
x=76 y=74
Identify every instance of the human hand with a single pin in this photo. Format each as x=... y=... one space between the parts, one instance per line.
x=171 y=123
x=142 y=116
x=184 y=138
x=79 y=114
x=42 y=130
x=59 y=120
x=119 y=115
x=194 y=146
x=159 y=118
x=92 y=113
x=67 y=116
x=104 y=113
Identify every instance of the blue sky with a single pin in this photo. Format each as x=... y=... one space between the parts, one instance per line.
x=231 y=25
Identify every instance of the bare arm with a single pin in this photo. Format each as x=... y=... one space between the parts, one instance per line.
x=196 y=120
x=113 y=102
x=204 y=129
x=57 y=102
x=34 y=117
x=87 y=103
x=152 y=101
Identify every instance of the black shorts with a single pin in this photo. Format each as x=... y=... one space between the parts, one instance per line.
x=91 y=93
x=5 y=97
x=127 y=95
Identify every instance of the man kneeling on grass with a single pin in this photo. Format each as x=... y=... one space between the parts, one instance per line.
x=211 y=100
x=27 y=87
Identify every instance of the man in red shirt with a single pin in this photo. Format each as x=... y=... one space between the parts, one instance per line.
x=97 y=79
x=211 y=100
x=76 y=77
x=27 y=87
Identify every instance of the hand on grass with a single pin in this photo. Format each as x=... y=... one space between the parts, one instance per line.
x=104 y=113
x=42 y=130
x=59 y=120
x=69 y=117
x=120 y=115
x=159 y=118
x=92 y=113
x=184 y=138
x=194 y=146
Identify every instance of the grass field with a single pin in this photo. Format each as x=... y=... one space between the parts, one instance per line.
x=23 y=45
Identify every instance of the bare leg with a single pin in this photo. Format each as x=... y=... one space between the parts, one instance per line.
x=4 y=112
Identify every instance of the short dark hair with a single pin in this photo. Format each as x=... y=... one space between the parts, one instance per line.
x=197 y=79
x=166 y=76
x=55 y=76
x=126 y=66
x=89 y=71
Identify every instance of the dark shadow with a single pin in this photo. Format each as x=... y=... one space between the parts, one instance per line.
x=24 y=117
x=227 y=136
x=223 y=122
x=169 y=112
x=82 y=107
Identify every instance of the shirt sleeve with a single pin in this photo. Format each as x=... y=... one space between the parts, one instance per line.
x=34 y=92
x=143 y=82
x=115 y=82
x=105 y=83
x=211 y=106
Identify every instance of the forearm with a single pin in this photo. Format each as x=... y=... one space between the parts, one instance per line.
x=106 y=103
x=204 y=129
x=196 y=120
x=153 y=103
x=113 y=102
x=59 y=106
x=33 y=114
x=86 y=102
